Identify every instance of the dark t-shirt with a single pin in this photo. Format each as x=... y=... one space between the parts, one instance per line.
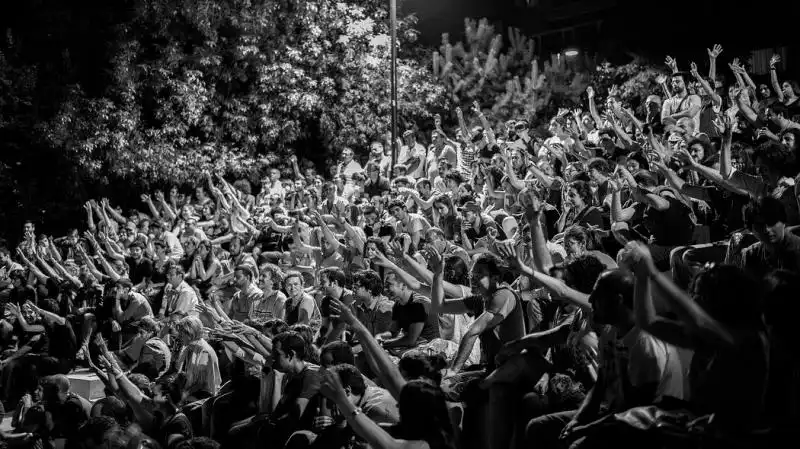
x=68 y=417
x=139 y=270
x=302 y=386
x=672 y=227
x=63 y=344
x=178 y=424
x=417 y=310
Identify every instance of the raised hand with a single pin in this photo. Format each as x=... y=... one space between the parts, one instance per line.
x=145 y=198
x=437 y=121
x=671 y=63
x=435 y=263
x=775 y=59
x=715 y=51
x=693 y=69
x=508 y=251
x=459 y=113
x=331 y=387
x=590 y=92
x=342 y=312
x=661 y=78
x=476 y=107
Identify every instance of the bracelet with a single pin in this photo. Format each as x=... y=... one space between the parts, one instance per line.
x=356 y=411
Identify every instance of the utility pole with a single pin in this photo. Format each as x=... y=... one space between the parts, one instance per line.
x=393 y=18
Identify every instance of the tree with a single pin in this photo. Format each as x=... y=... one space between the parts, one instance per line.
x=632 y=82
x=234 y=85
x=512 y=84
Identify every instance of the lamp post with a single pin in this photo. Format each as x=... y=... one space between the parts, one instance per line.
x=393 y=19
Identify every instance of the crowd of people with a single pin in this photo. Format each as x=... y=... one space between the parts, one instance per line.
x=623 y=280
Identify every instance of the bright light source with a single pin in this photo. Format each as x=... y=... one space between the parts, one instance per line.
x=571 y=53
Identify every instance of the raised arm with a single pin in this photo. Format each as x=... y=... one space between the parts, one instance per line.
x=773 y=76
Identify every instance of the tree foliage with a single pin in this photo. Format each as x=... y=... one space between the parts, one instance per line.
x=513 y=83
x=632 y=82
x=233 y=85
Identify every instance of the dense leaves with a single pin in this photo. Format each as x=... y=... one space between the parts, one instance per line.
x=511 y=84
x=234 y=85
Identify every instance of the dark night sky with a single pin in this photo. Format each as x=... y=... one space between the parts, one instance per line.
x=681 y=28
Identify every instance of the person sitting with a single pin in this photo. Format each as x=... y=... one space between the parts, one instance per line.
x=412 y=320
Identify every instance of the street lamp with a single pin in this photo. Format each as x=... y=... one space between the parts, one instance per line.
x=571 y=52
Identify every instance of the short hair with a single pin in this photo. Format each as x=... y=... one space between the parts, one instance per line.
x=172 y=386
x=275 y=326
x=291 y=341
x=350 y=377
x=434 y=231
x=340 y=351
x=600 y=165
x=370 y=280
x=246 y=270
x=396 y=203
x=58 y=381
x=293 y=274
x=334 y=274
x=767 y=210
x=198 y=443
x=176 y=269
x=583 y=189
x=191 y=326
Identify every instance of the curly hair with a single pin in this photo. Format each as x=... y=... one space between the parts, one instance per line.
x=777 y=157
x=582 y=273
x=275 y=274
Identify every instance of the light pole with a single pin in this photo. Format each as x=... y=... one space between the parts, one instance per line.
x=393 y=19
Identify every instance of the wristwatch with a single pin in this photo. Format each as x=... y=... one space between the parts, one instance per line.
x=356 y=411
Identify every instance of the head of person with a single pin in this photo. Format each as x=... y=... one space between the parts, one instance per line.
x=424 y=415
x=55 y=389
x=100 y=432
x=487 y=274
x=582 y=272
x=373 y=171
x=243 y=277
x=397 y=208
x=294 y=284
x=335 y=353
x=678 y=82
x=289 y=352
x=352 y=381
x=270 y=277
x=168 y=391
x=766 y=217
x=612 y=298
x=395 y=288
x=347 y=155
x=470 y=211
x=175 y=274
x=577 y=240
x=409 y=138
x=332 y=280
x=790 y=138
x=729 y=295
x=579 y=194
x=122 y=289
x=790 y=89
x=699 y=149
x=189 y=329
x=599 y=170
x=444 y=205
x=418 y=365
x=435 y=237
x=367 y=284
